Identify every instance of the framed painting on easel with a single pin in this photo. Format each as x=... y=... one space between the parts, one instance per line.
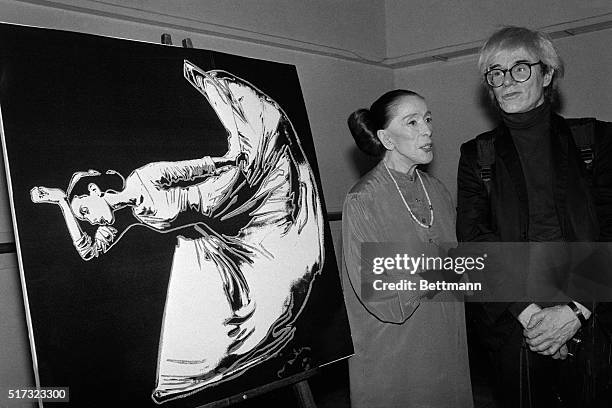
x=171 y=234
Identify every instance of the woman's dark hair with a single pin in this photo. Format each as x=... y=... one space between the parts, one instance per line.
x=110 y=180
x=364 y=123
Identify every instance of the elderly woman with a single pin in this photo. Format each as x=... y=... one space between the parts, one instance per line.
x=409 y=352
x=525 y=181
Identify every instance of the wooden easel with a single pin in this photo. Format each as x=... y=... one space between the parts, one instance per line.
x=298 y=382
x=304 y=395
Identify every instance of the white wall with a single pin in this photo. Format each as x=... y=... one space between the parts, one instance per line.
x=417 y=27
x=350 y=25
x=15 y=365
x=453 y=92
x=586 y=89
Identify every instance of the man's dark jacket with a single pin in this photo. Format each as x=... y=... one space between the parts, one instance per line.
x=583 y=200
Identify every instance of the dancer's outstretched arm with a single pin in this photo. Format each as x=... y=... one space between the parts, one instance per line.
x=87 y=249
x=168 y=173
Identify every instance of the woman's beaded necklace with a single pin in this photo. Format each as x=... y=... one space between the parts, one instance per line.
x=431 y=213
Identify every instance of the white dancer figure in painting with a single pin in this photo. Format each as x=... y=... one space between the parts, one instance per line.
x=235 y=289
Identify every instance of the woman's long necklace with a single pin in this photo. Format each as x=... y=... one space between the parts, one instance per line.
x=431 y=213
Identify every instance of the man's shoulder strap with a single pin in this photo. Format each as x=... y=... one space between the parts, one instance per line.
x=485 y=149
x=583 y=132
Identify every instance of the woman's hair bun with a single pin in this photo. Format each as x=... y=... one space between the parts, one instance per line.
x=362 y=127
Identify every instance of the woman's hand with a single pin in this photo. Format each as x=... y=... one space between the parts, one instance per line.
x=47 y=195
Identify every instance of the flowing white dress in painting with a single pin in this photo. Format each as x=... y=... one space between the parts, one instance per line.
x=235 y=291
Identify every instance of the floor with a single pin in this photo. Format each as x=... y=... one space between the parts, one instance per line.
x=330 y=387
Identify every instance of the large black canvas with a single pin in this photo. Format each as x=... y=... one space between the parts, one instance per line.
x=72 y=102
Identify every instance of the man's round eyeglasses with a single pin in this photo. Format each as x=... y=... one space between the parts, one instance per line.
x=520 y=72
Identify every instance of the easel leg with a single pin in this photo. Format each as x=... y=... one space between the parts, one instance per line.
x=304 y=395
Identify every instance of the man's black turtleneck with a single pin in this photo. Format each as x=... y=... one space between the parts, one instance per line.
x=530 y=133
